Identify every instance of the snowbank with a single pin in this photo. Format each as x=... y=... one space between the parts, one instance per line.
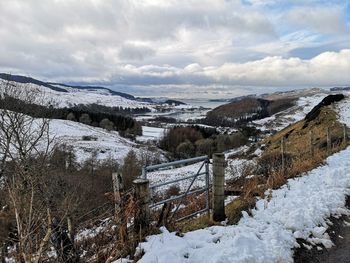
x=297 y=210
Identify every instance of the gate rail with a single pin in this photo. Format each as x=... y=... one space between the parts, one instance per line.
x=181 y=197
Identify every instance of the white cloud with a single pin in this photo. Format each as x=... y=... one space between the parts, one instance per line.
x=326 y=69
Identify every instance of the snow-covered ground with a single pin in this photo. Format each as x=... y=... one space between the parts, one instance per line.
x=296 y=113
x=86 y=140
x=299 y=209
x=151 y=134
x=343 y=109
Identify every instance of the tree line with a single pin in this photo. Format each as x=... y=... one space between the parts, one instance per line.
x=114 y=118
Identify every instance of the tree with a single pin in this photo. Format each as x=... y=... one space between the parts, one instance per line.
x=131 y=169
x=205 y=147
x=71 y=117
x=25 y=147
x=85 y=118
x=185 y=149
x=107 y=124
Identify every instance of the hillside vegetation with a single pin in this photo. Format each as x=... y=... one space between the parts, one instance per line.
x=245 y=110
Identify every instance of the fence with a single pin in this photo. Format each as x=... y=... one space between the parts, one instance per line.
x=145 y=198
x=333 y=137
x=202 y=171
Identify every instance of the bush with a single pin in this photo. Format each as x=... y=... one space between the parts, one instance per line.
x=185 y=149
x=85 y=118
x=88 y=138
x=130 y=170
x=107 y=124
x=205 y=147
x=272 y=162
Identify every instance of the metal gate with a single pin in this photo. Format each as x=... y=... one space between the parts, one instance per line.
x=202 y=171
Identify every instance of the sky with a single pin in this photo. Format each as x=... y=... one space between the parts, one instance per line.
x=179 y=48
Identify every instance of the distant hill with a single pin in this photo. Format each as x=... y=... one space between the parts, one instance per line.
x=61 y=87
x=339 y=88
x=26 y=80
x=112 y=92
x=245 y=110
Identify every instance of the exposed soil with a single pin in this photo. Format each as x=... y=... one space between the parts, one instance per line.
x=340 y=235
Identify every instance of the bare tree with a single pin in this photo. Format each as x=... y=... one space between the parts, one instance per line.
x=24 y=148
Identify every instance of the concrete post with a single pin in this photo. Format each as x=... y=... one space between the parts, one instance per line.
x=142 y=210
x=219 y=187
x=312 y=149
x=329 y=141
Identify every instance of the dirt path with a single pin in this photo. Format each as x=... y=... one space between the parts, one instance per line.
x=340 y=253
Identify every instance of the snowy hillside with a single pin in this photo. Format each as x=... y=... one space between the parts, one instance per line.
x=343 y=109
x=297 y=210
x=80 y=96
x=85 y=140
x=296 y=113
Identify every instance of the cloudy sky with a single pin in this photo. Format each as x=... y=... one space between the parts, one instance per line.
x=180 y=48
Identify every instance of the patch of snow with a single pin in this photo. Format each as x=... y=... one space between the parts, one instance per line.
x=151 y=134
x=299 y=209
x=296 y=113
x=343 y=109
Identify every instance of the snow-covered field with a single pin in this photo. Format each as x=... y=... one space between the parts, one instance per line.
x=86 y=140
x=151 y=134
x=299 y=209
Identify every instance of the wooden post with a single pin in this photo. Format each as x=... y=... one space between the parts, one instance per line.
x=344 y=134
x=219 y=187
x=283 y=154
x=328 y=141
x=312 y=149
x=119 y=206
x=142 y=210
x=117 y=189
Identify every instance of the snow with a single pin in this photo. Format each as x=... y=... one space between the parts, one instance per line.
x=79 y=96
x=343 y=109
x=151 y=134
x=299 y=209
x=296 y=113
x=106 y=144
x=233 y=170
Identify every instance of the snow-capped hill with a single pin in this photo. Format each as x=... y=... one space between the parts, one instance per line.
x=72 y=97
x=62 y=95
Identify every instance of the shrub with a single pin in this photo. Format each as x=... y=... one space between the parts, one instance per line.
x=185 y=149
x=88 y=138
x=85 y=118
x=131 y=169
x=107 y=124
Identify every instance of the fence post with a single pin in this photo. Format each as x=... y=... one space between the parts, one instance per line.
x=142 y=210
x=344 y=134
x=328 y=141
x=312 y=149
x=218 y=187
x=117 y=189
x=283 y=154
